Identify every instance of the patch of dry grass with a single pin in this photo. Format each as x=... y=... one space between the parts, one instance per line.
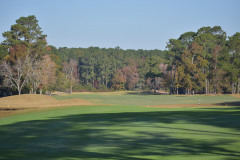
x=28 y=102
x=34 y=100
x=236 y=95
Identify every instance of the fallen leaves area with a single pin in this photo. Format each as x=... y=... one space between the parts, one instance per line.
x=27 y=102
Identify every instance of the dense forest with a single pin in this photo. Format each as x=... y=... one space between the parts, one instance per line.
x=203 y=62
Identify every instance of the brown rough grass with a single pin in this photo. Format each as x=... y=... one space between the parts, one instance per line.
x=236 y=95
x=26 y=102
x=34 y=100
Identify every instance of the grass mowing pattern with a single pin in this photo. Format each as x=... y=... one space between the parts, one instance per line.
x=123 y=132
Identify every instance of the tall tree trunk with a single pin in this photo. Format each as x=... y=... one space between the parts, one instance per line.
x=206 y=87
x=155 y=88
x=215 y=84
x=174 y=75
x=40 y=90
x=106 y=80
x=87 y=77
x=171 y=84
x=106 y=83
x=238 y=85
x=19 y=90
x=233 y=88
x=238 y=88
x=173 y=72
x=70 y=88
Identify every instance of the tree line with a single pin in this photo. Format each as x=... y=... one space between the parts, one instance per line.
x=108 y=69
x=206 y=62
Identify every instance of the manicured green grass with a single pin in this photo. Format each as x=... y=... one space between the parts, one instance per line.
x=133 y=98
x=123 y=132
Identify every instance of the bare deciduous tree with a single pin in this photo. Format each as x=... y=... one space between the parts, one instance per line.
x=42 y=74
x=47 y=73
x=34 y=77
x=71 y=71
x=16 y=75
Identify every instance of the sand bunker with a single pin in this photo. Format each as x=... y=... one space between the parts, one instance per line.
x=34 y=100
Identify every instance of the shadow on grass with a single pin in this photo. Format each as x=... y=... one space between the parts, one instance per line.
x=145 y=93
x=129 y=135
x=228 y=105
x=235 y=103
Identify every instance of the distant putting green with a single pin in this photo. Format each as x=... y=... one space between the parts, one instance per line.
x=126 y=131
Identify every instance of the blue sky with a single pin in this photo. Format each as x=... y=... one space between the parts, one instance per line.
x=130 y=24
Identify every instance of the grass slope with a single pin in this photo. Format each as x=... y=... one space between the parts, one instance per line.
x=136 y=98
x=122 y=132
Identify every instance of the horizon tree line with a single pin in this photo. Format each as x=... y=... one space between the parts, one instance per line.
x=203 y=62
